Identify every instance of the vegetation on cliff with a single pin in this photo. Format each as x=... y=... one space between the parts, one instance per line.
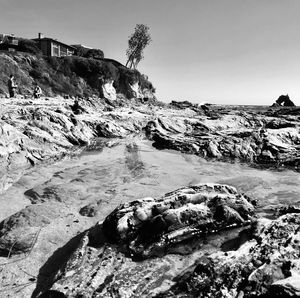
x=136 y=45
x=74 y=76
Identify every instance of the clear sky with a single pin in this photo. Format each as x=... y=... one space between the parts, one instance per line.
x=220 y=51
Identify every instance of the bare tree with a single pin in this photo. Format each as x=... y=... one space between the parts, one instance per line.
x=136 y=44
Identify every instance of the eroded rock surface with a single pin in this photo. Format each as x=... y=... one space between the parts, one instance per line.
x=228 y=136
x=48 y=129
x=180 y=222
x=149 y=227
x=265 y=267
x=33 y=132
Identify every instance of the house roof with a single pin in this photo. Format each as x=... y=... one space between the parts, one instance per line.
x=54 y=40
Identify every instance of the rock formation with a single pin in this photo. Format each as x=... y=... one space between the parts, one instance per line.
x=146 y=228
x=34 y=132
x=109 y=90
x=72 y=76
x=254 y=139
x=267 y=266
x=284 y=100
x=120 y=257
x=150 y=226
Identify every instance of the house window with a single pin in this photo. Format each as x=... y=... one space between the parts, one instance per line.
x=55 y=50
x=63 y=51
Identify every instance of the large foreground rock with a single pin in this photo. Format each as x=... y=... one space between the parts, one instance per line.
x=150 y=226
x=181 y=222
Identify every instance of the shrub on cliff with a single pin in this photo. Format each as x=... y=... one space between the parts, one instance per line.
x=28 y=46
x=88 y=53
x=95 y=54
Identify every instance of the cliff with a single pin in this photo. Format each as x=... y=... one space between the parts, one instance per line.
x=73 y=76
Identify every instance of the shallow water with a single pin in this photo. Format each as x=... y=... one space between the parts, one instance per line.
x=131 y=169
x=123 y=171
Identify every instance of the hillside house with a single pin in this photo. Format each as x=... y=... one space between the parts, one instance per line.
x=8 y=42
x=53 y=48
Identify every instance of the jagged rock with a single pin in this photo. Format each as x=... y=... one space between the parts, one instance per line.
x=284 y=100
x=179 y=222
x=279 y=123
x=254 y=140
x=33 y=132
x=77 y=108
x=286 y=210
x=259 y=268
x=109 y=90
x=186 y=104
x=148 y=227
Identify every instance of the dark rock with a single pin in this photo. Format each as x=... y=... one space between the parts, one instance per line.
x=287 y=209
x=186 y=105
x=284 y=100
x=267 y=267
x=77 y=108
x=279 y=123
x=53 y=294
x=90 y=210
x=150 y=226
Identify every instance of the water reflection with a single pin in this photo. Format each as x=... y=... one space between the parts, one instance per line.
x=130 y=169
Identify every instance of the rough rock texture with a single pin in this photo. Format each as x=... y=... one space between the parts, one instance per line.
x=268 y=266
x=108 y=90
x=96 y=268
x=229 y=135
x=149 y=227
x=33 y=131
x=48 y=129
x=37 y=131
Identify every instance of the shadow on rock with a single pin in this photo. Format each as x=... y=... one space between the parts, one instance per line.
x=59 y=262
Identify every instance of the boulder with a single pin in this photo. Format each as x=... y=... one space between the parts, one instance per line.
x=118 y=258
x=149 y=227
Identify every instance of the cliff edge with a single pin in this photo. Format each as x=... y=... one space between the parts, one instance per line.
x=73 y=76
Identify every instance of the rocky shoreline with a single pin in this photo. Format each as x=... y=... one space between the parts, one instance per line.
x=151 y=246
x=34 y=131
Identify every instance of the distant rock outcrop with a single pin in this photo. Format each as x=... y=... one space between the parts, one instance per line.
x=284 y=100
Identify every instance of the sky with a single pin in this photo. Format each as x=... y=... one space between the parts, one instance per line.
x=217 y=51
